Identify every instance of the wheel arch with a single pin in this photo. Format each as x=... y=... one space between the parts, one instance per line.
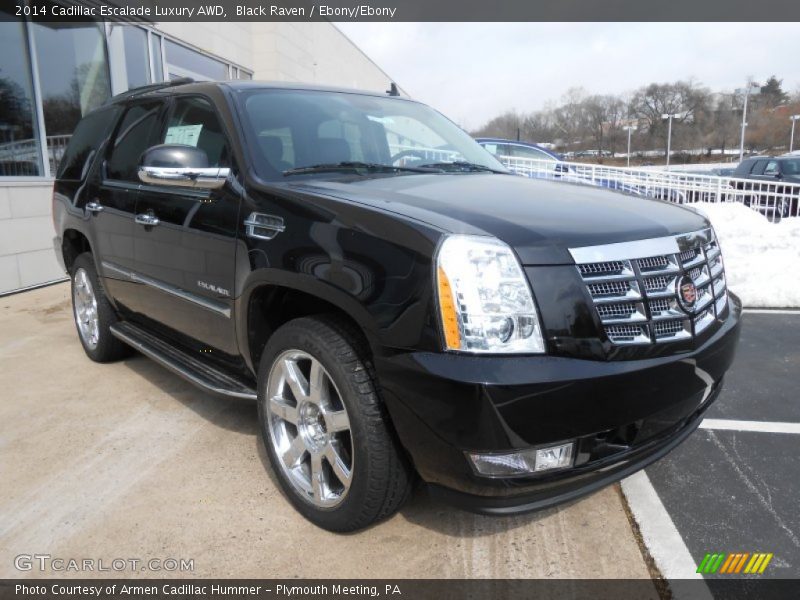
x=73 y=244
x=264 y=307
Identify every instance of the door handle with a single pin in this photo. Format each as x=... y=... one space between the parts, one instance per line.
x=147 y=219
x=94 y=206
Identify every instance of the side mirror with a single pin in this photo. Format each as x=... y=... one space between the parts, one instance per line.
x=178 y=165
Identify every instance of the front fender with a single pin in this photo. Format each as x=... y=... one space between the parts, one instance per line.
x=371 y=265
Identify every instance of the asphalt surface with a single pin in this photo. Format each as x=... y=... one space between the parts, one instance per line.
x=739 y=491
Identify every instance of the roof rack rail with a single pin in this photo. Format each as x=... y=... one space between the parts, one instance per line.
x=143 y=89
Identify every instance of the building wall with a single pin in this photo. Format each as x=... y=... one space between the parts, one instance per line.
x=313 y=53
x=308 y=52
x=26 y=235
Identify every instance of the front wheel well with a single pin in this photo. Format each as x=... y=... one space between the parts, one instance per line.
x=73 y=244
x=270 y=307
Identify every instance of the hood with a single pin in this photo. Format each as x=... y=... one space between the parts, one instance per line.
x=541 y=220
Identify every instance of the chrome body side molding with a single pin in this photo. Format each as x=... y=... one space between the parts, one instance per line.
x=219 y=308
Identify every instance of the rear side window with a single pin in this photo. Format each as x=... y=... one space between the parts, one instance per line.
x=532 y=153
x=136 y=133
x=90 y=133
x=758 y=168
x=497 y=149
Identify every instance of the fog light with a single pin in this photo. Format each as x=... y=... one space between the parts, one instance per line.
x=523 y=462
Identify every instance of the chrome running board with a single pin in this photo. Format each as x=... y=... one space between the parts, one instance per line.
x=193 y=370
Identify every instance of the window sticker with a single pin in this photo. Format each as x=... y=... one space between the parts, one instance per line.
x=188 y=135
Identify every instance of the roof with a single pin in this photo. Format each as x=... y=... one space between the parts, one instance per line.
x=187 y=84
x=765 y=157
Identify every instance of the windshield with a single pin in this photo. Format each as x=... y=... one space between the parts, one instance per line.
x=291 y=130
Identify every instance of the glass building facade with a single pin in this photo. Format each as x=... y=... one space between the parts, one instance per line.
x=51 y=74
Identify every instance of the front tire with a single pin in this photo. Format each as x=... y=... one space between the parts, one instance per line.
x=326 y=432
x=93 y=313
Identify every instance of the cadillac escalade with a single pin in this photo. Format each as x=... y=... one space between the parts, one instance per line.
x=399 y=305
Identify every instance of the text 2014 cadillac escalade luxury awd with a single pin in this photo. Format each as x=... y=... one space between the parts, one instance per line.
x=396 y=302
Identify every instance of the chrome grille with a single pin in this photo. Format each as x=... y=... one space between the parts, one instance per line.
x=674 y=328
x=659 y=306
x=688 y=255
x=634 y=286
x=606 y=268
x=658 y=284
x=627 y=334
x=611 y=288
x=620 y=310
x=653 y=263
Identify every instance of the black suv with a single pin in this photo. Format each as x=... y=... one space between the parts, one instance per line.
x=396 y=302
x=775 y=187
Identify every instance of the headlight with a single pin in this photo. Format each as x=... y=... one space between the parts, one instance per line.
x=485 y=302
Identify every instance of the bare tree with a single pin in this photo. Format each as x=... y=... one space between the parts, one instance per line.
x=682 y=98
x=604 y=116
x=507 y=125
x=570 y=118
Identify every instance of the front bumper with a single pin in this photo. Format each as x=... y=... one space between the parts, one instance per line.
x=623 y=415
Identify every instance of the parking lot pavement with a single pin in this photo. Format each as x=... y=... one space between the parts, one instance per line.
x=736 y=490
x=129 y=461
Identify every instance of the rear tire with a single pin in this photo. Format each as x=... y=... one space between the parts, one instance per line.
x=93 y=313
x=325 y=429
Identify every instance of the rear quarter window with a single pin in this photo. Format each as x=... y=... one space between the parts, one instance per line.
x=90 y=133
x=758 y=167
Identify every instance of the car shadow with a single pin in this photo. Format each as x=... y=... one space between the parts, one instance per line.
x=233 y=414
x=424 y=510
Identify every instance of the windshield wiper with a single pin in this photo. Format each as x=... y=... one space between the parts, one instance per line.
x=350 y=165
x=459 y=165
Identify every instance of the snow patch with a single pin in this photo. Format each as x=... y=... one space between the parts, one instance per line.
x=762 y=259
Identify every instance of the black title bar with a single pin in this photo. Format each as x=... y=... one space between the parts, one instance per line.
x=398 y=589
x=405 y=10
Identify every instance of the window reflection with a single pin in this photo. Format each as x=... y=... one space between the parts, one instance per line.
x=72 y=63
x=185 y=62
x=129 y=58
x=19 y=141
x=73 y=76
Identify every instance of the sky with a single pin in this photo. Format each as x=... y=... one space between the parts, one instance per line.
x=474 y=71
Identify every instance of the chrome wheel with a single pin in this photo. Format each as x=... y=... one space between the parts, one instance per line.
x=84 y=304
x=309 y=429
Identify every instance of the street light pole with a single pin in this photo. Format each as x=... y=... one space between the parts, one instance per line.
x=669 y=117
x=791 y=138
x=630 y=128
x=747 y=91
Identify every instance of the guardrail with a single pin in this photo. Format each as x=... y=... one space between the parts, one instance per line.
x=775 y=199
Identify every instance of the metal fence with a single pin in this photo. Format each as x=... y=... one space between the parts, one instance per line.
x=21 y=157
x=775 y=199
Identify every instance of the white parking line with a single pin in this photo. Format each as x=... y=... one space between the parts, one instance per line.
x=762 y=426
x=769 y=311
x=659 y=533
